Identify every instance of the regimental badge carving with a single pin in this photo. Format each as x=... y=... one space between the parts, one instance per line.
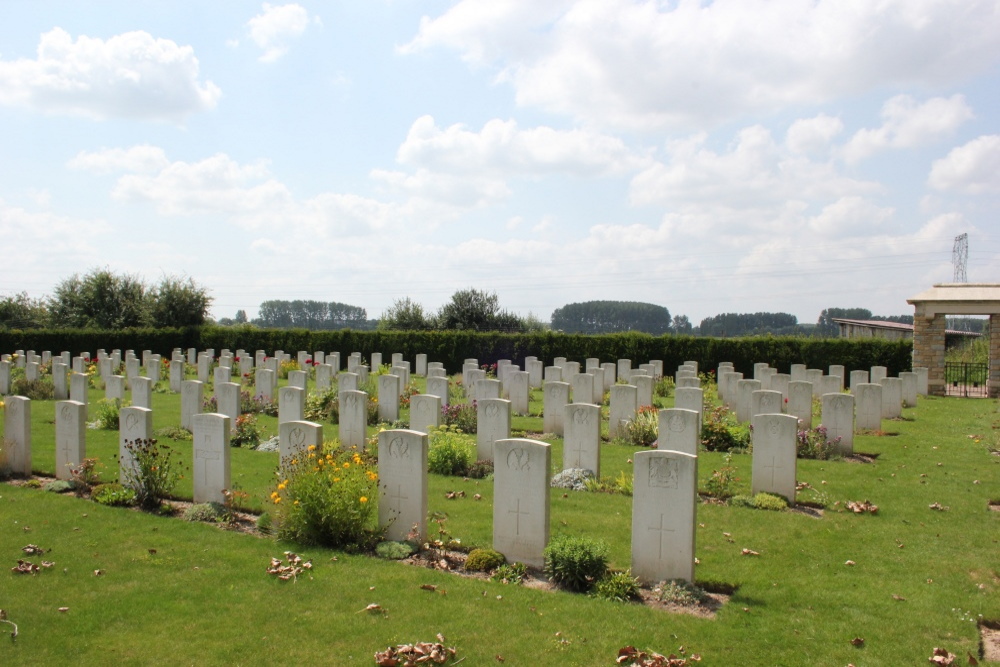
x=675 y=423
x=519 y=459
x=581 y=417
x=66 y=412
x=296 y=437
x=663 y=473
x=774 y=426
x=492 y=410
x=399 y=448
x=131 y=422
x=352 y=401
x=767 y=403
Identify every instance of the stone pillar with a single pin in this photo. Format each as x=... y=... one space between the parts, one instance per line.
x=928 y=349
x=993 y=383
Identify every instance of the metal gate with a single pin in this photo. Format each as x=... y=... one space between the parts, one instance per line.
x=967 y=380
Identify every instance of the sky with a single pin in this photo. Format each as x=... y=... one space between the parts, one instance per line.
x=710 y=157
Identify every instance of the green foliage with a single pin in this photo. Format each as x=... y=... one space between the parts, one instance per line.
x=100 y=299
x=462 y=416
x=60 y=486
x=598 y=317
x=206 y=512
x=770 y=501
x=621 y=484
x=323 y=405
x=970 y=351
x=721 y=432
x=477 y=310
x=264 y=522
x=814 y=444
x=721 y=482
x=153 y=473
x=406 y=315
x=576 y=563
x=482 y=469
x=618 y=586
x=451 y=452
x=40 y=389
x=394 y=550
x=327 y=498
x=510 y=573
x=742 y=500
x=108 y=411
x=114 y=494
x=22 y=312
x=664 y=387
x=247 y=432
x=641 y=430
x=173 y=432
x=177 y=302
x=313 y=315
x=84 y=475
x=679 y=592
x=729 y=325
x=484 y=560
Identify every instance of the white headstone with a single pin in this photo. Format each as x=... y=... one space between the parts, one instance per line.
x=583 y=388
x=582 y=442
x=438 y=386
x=210 y=468
x=388 y=397
x=858 y=377
x=347 y=381
x=291 y=404
x=402 y=469
x=295 y=437
x=142 y=392
x=800 y=396
x=425 y=412
x=664 y=506
x=774 y=455
x=922 y=380
x=518 y=389
x=78 y=385
x=838 y=419
x=17 y=434
x=71 y=435
x=492 y=424
x=909 y=388
x=536 y=372
x=420 y=365
x=5 y=367
x=798 y=373
x=60 y=383
x=192 y=396
x=134 y=424
x=624 y=404
x=679 y=430
x=114 y=387
x=892 y=398
x=265 y=382
x=552 y=374
x=691 y=398
x=643 y=390
x=227 y=398
x=877 y=373
x=868 y=406
x=610 y=375
x=176 y=376
x=555 y=396
x=353 y=418
x=522 y=469
x=744 y=393
x=765 y=402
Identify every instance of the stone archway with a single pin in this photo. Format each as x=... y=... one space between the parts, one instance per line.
x=930 y=309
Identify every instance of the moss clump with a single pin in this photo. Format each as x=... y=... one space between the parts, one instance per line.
x=484 y=560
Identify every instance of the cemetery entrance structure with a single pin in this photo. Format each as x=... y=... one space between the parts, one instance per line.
x=967 y=380
x=930 y=309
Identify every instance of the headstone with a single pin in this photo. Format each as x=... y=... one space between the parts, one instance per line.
x=830 y=384
x=838 y=419
x=798 y=373
x=518 y=389
x=765 y=402
x=295 y=437
x=758 y=370
x=438 y=386
x=691 y=398
x=264 y=383
x=472 y=378
x=192 y=356
x=909 y=388
x=291 y=404
x=583 y=388
x=492 y=424
x=679 y=430
x=60 y=384
x=610 y=375
x=766 y=377
x=132 y=368
x=624 y=366
x=153 y=369
x=731 y=381
x=348 y=381
x=324 y=377
x=521 y=499
x=837 y=370
x=536 y=371
x=114 y=388
x=744 y=392
x=486 y=388
x=227 y=399
x=210 y=469
x=353 y=418
x=858 y=377
x=892 y=398
x=555 y=396
x=420 y=365
x=142 y=392
x=192 y=396
x=774 y=455
x=688 y=382
x=624 y=404
x=664 y=506
x=922 y=380
x=643 y=390
x=552 y=374
x=376 y=360
x=388 y=397
x=134 y=424
x=17 y=434
x=334 y=360
x=402 y=469
x=425 y=412
x=800 y=403
x=5 y=378
x=868 y=403
x=204 y=364
x=31 y=371
x=582 y=442
x=176 y=376
x=815 y=376
x=78 y=383
x=71 y=437
x=246 y=364
x=559 y=361
x=877 y=373
x=298 y=379
x=779 y=382
x=437 y=373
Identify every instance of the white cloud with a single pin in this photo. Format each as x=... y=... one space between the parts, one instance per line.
x=144 y=159
x=277 y=26
x=907 y=124
x=850 y=215
x=648 y=63
x=132 y=75
x=973 y=168
x=453 y=190
x=813 y=135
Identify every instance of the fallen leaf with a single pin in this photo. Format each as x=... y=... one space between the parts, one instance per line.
x=898 y=598
x=849 y=562
x=972 y=660
x=98 y=573
x=750 y=552
x=64 y=609
x=428 y=587
x=858 y=641
x=941 y=656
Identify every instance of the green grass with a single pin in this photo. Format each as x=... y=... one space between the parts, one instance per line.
x=204 y=597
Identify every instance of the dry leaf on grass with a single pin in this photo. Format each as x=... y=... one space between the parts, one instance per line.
x=419 y=653
x=858 y=641
x=27 y=567
x=630 y=656
x=289 y=570
x=452 y=495
x=862 y=507
x=941 y=656
x=750 y=552
x=373 y=609
x=33 y=550
x=938 y=506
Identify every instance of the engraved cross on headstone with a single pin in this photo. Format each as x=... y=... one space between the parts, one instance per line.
x=517 y=512
x=206 y=455
x=397 y=498
x=773 y=467
x=662 y=530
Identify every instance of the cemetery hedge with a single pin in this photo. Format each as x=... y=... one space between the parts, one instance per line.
x=452 y=347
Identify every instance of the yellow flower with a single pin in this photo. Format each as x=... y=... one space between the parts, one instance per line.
x=363 y=499
x=281 y=487
x=346 y=464
x=296 y=502
x=277 y=500
x=372 y=476
x=274 y=494
x=311 y=447
x=336 y=479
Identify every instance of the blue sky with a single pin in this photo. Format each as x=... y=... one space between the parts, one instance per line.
x=729 y=156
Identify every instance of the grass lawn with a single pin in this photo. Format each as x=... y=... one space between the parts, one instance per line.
x=173 y=592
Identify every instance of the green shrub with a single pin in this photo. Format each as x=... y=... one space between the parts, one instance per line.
x=394 y=550
x=510 y=573
x=113 y=494
x=173 y=433
x=770 y=501
x=814 y=444
x=484 y=560
x=721 y=482
x=207 y=512
x=617 y=586
x=323 y=406
x=108 y=411
x=641 y=430
x=720 y=431
x=621 y=484
x=327 y=498
x=60 y=486
x=246 y=433
x=264 y=522
x=576 y=563
x=742 y=501
x=679 y=592
x=482 y=469
x=41 y=389
x=451 y=452
x=463 y=416
x=153 y=473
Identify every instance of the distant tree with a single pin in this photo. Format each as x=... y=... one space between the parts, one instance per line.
x=682 y=325
x=22 y=312
x=611 y=317
x=477 y=310
x=101 y=300
x=533 y=323
x=750 y=324
x=241 y=317
x=405 y=314
x=826 y=327
x=178 y=302
x=315 y=315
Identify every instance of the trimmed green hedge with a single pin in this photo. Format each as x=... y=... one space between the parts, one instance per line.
x=452 y=347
